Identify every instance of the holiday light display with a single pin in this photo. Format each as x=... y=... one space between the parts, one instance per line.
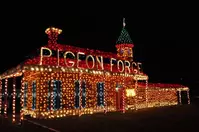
x=130 y=92
x=65 y=80
x=124 y=44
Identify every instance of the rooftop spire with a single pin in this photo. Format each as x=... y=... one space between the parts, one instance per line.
x=124 y=37
x=53 y=34
x=124 y=24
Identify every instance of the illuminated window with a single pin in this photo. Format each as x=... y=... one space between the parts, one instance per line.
x=77 y=94
x=130 y=92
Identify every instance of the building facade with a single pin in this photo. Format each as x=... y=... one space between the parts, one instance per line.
x=65 y=80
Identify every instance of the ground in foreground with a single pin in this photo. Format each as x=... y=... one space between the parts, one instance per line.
x=183 y=118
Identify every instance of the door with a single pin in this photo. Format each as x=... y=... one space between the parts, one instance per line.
x=119 y=99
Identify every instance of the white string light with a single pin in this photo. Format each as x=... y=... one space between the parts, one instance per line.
x=5 y=97
x=14 y=99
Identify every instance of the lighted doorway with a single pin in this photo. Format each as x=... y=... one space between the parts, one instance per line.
x=119 y=98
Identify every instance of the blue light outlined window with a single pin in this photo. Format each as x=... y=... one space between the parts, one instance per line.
x=100 y=94
x=56 y=94
x=34 y=95
x=77 y=94
x=83 y=86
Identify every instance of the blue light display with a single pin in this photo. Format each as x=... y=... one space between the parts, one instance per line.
x=100 y=94
x=77 y=94
x=34 y=95
x=83 y=94
x=56 y=94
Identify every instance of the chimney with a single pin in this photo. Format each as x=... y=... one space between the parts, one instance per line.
x=53 y=33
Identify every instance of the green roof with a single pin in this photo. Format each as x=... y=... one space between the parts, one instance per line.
x=124 y=37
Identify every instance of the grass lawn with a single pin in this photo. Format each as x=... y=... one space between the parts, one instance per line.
x=182 y=118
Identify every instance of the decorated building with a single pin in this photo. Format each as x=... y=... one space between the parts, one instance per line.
x=66 y=80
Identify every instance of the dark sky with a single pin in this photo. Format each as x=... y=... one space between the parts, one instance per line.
x=162 y=35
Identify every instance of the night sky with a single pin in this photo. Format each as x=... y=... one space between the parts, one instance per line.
x=163 y=35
